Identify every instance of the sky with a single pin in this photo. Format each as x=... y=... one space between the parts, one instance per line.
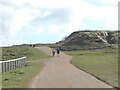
x=49 y=21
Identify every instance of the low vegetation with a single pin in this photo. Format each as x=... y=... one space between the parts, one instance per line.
x=31 y=53
x=20 y=77
x=102 y=64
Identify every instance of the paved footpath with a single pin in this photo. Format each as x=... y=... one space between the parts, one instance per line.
x=59 y=73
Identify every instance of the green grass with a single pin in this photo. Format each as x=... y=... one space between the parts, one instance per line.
x=101 y=63
x=9 y=53
x=20 y=77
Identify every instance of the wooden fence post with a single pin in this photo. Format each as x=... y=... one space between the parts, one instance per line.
x=12 y=64
x=0 y=67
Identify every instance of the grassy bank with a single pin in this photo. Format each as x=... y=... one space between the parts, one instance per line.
x=101 y=63
x=9 y=53
x=19 y=77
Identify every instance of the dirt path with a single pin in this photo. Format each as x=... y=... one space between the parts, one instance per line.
x=59 y=73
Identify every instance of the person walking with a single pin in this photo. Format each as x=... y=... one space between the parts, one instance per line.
x=58 y=52
x=53 y=52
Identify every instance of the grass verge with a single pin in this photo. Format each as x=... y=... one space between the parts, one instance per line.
x=9 y=53
x=19 y=77
x=102 y=64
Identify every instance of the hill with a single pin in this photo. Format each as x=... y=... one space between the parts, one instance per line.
x=90 y=40
x=14 y=52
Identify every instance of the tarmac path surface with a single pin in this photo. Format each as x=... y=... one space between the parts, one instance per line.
x=60 y=73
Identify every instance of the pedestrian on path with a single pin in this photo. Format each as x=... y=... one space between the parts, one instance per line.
x=58 y=52
x=53 y=52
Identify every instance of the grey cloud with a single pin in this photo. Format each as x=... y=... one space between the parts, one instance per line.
x=58 y=16
x=11 y=4
x=5 y=20
x=4 y=24
x=8 y=4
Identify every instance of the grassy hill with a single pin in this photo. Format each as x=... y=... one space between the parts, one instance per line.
x=20 y=77
x=90 y=40
x=14 y=52
x=95 y=52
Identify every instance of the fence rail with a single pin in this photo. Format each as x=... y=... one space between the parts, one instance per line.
x=12 y=64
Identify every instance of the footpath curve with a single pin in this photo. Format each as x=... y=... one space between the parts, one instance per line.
x=60 y=73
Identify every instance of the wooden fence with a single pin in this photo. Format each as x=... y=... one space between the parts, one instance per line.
x=12 y=64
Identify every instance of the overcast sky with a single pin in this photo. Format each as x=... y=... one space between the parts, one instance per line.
x=49 y=21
